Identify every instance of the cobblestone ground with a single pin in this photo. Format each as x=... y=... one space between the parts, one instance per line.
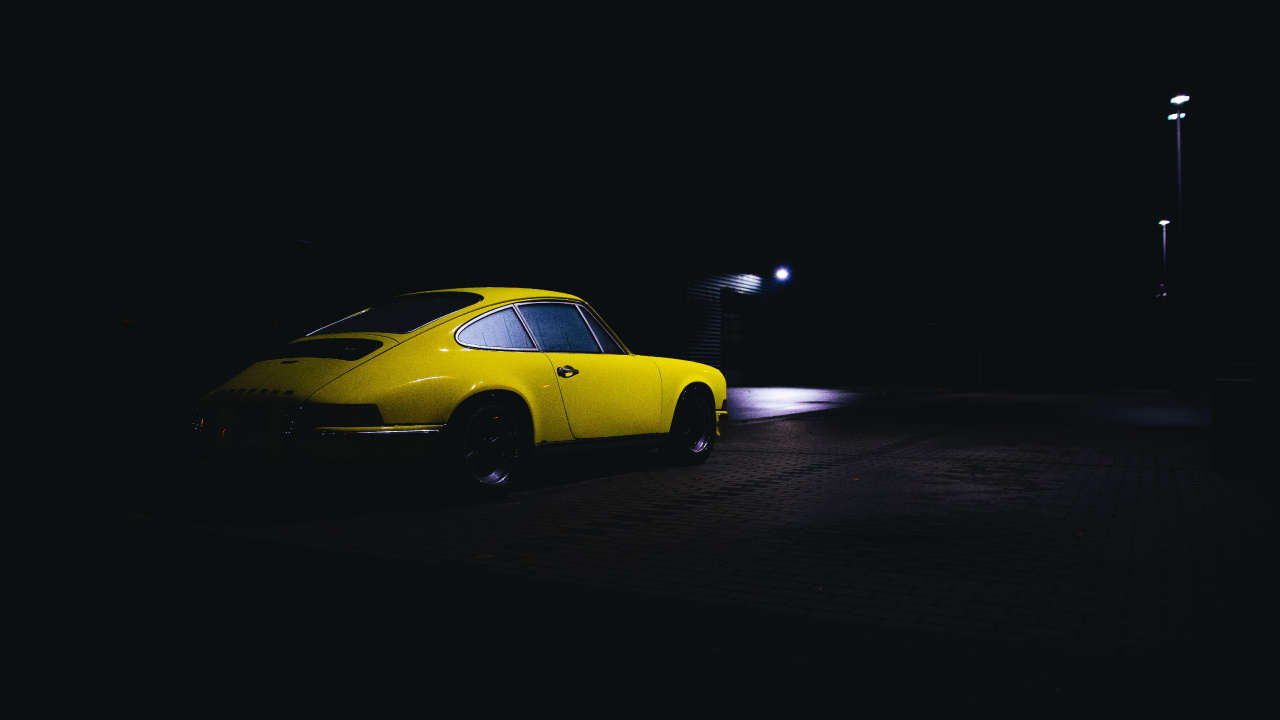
x=1116 y=540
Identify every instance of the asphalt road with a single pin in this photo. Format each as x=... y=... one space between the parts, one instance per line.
x=973 y=555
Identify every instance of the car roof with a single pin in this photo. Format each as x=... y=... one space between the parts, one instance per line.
x=505 y=294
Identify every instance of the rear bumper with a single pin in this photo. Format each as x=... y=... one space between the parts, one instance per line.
x=389 y=442
x=272 y=431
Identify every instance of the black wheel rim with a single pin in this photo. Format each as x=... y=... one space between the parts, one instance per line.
x=692 y=426
x=491 y=445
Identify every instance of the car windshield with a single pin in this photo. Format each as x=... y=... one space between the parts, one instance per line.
x=402 y=314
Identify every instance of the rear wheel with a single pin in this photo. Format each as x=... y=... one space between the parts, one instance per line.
x=693 y=428
x=487 y=444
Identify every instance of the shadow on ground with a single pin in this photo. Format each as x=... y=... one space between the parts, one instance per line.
x=229 y=492
x=197 y=620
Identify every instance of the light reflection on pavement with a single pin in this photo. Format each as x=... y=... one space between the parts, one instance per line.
x=756 y=403
x=1133 y=408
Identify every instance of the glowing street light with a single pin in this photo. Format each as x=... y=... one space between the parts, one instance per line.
x=782 y=273
x=1177 y=119
x=1164 y=255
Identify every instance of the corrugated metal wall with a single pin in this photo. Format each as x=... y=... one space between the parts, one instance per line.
x=720 y=319
x=694 y=308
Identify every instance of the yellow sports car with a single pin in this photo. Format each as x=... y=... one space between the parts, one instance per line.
x=484 y=376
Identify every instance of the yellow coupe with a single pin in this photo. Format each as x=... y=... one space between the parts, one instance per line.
x=484 y=376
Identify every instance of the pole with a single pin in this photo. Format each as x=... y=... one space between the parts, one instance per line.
x=1164 y=258
x=1181 y=375
x=1182 y=230
x=1183 y=256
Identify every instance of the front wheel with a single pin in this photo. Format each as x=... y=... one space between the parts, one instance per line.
x=487 y=444
x=693 y=429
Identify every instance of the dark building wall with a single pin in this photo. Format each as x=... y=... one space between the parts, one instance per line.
x=735 y=322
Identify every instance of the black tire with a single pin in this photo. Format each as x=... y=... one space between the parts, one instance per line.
x=488 y=444
x=693 y=428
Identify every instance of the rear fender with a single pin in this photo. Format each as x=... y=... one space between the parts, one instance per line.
x=422 y=384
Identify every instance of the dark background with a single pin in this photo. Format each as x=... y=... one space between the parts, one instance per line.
x=196 y=179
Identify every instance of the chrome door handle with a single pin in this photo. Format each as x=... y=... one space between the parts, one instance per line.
x=567 y=371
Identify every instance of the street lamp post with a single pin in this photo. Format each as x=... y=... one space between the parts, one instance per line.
x=1176 y=117
x=1183 y=363
x=1164 y=258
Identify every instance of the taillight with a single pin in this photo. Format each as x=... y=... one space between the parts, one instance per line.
x=203 y=418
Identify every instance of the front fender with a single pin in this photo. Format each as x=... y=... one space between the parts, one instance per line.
x=680 y=374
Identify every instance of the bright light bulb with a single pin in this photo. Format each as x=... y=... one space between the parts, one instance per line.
x=1179 y=99
x=782 y=273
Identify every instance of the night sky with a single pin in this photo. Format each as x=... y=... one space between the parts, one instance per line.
x=911 y=162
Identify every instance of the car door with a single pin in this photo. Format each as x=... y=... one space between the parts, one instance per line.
x=606 y=391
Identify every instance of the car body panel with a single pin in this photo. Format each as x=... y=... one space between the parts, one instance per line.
x=428 y=382
x=418 y=379
x=680 y=374
x=297 y=377
x=609 y=395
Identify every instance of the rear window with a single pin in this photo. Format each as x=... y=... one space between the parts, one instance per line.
x=501 y=330
x=403 y=314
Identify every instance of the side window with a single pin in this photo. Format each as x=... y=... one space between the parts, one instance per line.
x=559 y=328
x=496 y=330
x=607 y=342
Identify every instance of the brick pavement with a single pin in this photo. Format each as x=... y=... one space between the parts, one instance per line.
x=1117 y=540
